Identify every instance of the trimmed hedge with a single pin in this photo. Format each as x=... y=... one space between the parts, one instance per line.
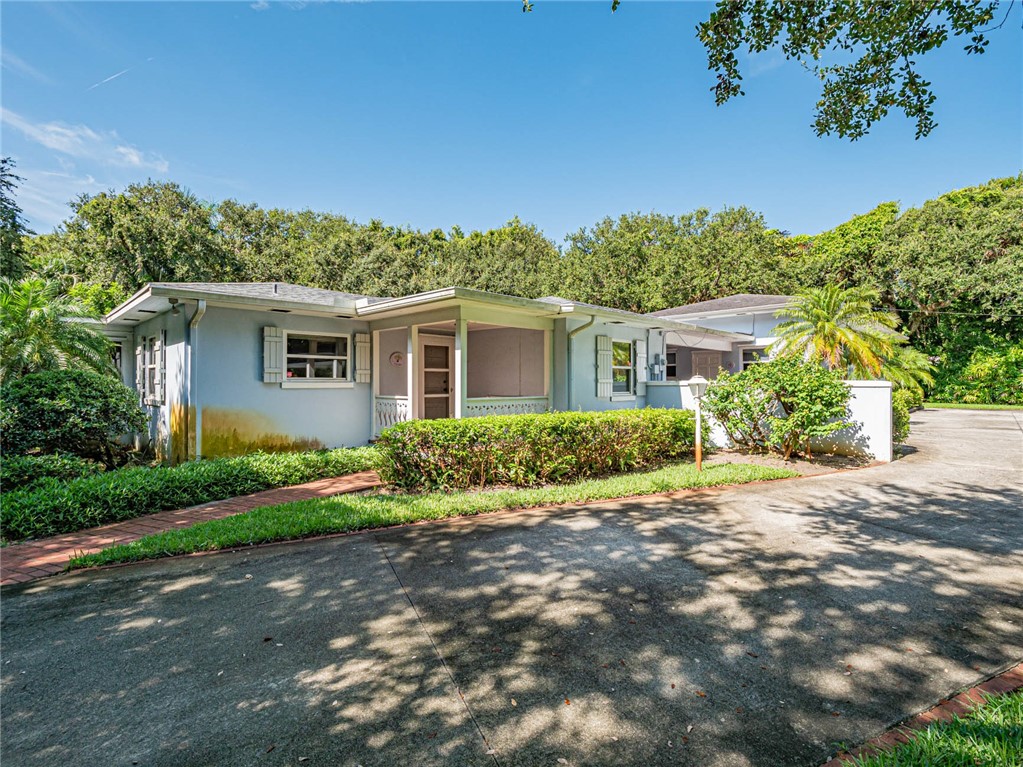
x=18 y=472
x=53 y=507
x=527 y=450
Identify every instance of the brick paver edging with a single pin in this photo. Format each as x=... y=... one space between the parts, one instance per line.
x=24 y=562
x=957 y=705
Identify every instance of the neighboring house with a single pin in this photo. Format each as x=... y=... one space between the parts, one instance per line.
x=751 y=316
x=228 y=368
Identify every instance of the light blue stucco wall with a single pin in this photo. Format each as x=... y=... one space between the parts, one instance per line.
x=237 y=408
x=583 y=366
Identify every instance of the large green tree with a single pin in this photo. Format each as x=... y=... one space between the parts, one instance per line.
x=152 y=232
x=13 y=229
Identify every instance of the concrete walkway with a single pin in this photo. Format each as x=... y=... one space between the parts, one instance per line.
x=757 y=625
x=24 y=562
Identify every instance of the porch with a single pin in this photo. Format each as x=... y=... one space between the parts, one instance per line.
x=460 y=368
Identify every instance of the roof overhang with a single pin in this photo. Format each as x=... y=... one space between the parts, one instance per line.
x=155 y=298
x=744 y=312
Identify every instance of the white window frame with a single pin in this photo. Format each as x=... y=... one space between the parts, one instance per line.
x=348 y=382
x=742 y=356
x=628 y=393
x=150 y=370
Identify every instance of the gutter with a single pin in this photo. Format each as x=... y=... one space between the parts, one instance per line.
x=571 y=364
x=194 y=449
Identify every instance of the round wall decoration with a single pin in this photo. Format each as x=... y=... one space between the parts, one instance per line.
x=397 y=359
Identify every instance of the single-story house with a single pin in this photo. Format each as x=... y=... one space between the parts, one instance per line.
x=229 y=368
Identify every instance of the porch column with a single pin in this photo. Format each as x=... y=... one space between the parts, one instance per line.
x=412 y=367
x=461 y=365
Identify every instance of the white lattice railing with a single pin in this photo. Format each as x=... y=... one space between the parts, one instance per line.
x=505 y=406
x=391 y=410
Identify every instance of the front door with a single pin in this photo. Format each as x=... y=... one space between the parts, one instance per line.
x=436 y=395
x=706 y=364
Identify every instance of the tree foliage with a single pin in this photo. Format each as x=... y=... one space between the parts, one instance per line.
x=865 y=54
x=40 y=329
x=13 y=229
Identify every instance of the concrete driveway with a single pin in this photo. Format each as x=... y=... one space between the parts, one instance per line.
x=759 y=625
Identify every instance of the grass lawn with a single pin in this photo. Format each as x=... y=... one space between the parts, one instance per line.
x=346 y=513
x=964 y=406
x=991 y=735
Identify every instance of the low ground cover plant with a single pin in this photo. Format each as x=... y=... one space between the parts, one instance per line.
x=51 y=506
x=528 y=450
x=781 y=405
x=19 y=472
x=67 y=411
x=347 y=513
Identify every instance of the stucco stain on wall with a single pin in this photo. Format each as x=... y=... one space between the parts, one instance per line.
x=179 y=418
x=235 y=431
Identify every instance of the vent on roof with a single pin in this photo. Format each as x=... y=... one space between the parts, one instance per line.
x=281 y=311
x=147 y=311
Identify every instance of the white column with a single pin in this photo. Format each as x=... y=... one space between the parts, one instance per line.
x=461 y=365
x=412 y=368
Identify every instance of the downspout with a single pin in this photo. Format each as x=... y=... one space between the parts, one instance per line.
x=572 y=334
x=194 y=426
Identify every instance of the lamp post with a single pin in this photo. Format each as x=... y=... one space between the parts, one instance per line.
x=698 y=387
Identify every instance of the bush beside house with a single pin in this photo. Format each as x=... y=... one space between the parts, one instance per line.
x=526 y=450
x=67 y=411
x=780 y=405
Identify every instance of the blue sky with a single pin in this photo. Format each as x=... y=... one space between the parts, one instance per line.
x=436 y=114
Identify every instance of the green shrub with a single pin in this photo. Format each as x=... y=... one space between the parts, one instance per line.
x=901 y=399
x=22 y=471
x=52 y=507
x=779 y=405
x=526 y=450
x=992 y=376
x=914 y=398
x=67 y=411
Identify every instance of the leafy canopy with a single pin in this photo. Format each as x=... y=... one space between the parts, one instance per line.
x=871 y=50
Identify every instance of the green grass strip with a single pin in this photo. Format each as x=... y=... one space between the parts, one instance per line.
x=347 y=513
x=969 y=406
x=991 y=734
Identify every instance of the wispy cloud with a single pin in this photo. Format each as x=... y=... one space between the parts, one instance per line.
x=84 y=143
x=45 y=195
x=112 y=77
x=16 y=64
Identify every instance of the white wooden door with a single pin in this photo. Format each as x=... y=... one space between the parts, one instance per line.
x=436 y=376
x=706 y=364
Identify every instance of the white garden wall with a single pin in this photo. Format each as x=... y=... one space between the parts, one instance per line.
x=870 y=407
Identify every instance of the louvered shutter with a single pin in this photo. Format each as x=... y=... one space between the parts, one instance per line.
x=140 y=368
x=604 y=366
x=641 y=368
x=273 y=355
x=160 y=365
x=363 y=360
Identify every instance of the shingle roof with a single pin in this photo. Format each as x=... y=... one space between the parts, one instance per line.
x=280 y=290
x=738 y=302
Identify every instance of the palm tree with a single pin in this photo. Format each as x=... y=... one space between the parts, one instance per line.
x=40 y=329
x=841 y=327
